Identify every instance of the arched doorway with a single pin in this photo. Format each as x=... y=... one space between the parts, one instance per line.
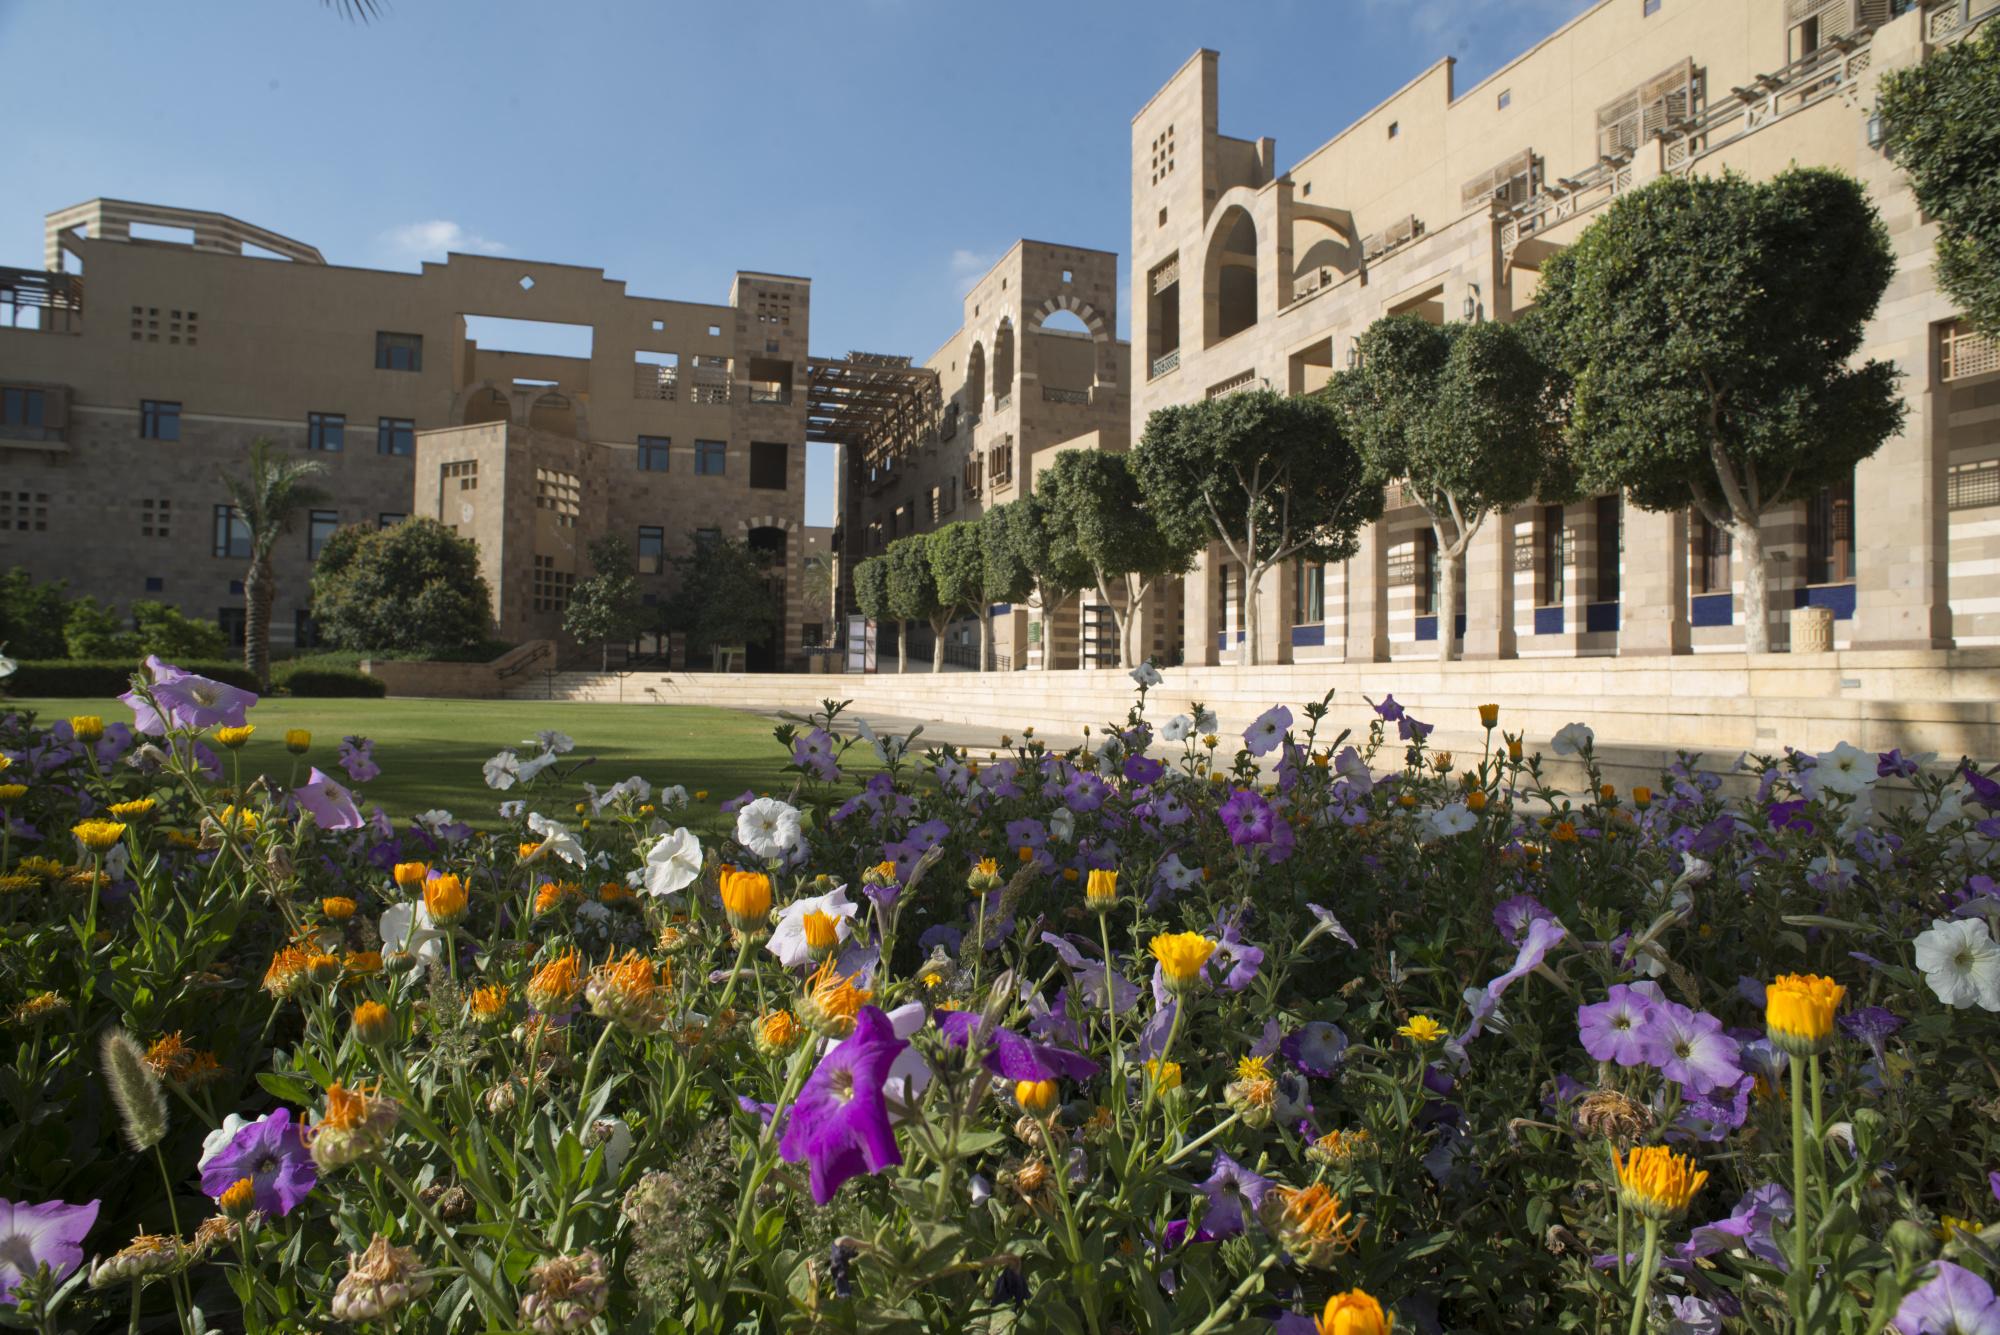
x=1231 y=276
x=975 y=380
x=1003 y=363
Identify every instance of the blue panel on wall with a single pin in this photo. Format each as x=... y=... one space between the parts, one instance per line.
x=1840 y=597
x=1222 y=639
x=1000 y=609
x=1600 y=616
x=1308 y=637
x=1548 y=621
x=1711 y=609
x=1427 y=628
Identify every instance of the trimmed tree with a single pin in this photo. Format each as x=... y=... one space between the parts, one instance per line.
x=958 y=568
x=1273 y=478
x=414 y=587
x=913 y=596
x=1005 y=577
x=608 y=605
x=1044 y=549
x=1097 y=500
x=1708 y=326
x=1941 y=124
x=725 y=598
x=871 y=589
x=1456 y=411
x=268 y=497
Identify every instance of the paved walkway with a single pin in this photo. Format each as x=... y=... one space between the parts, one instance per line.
x=973 y=737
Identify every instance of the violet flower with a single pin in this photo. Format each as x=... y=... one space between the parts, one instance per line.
x=1013 y=1056
x=357 y=757
x=1955 y=1302
x=1315 y=1048
x=1690 y=1047
x=330 y=805
x=1248 y=817
x=191 y=701
x=1227 y=1188
x=1615 y=1030
x=269 y=1152
x=32 y=1236
x=839 y=1124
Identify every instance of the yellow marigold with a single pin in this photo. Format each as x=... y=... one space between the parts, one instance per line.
x=701 y=795
x=1342 y=1148
x=1642 y=796
x=557 y=982
x=323 y=967
x=832 y=1001
x=351 y=1128
x=611 y=892
x=203 y=1069
x=182 y=839
x=98 y=835
x=1181 y=956
x=233 y=738
x=1513 y=748
x=1476 y=800
x=39 y=1009
x=1069 y=874
x=373 y=1023
x=1489 y=716
x=410 y=875
x=337 y=908
x=87 y=728
x=1253 y=1068
x=287 y=975
x=1355 y=1312
x=362 y=962
x=169 y=1056
x=1563 y=833
x=746 y=899
x=487 y=1004
x=445 y=898
x=778 y=1032
x=1441 y=762
x=15 y=881
x=627 y=992
x=37 y=865
x=1100 y=893
x=133 y=810
x=1799 y=1010
x=822 y=932
x=1406 y=800
x=1310 y=1223
x=242 y=820
x=527 y=850
x=1035 y=1096
x=1608 y=792
x=1656 y=1182
x=1421 y=1029
x=1164 y=1075
x=298 y=741
x=238 y=1198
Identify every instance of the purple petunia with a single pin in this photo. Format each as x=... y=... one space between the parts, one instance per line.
x=357 y=757
x=1690 y=1047
x=1315 y=1048
x=330 y=805
x=32 y=1236
x=1753 y=1225
x=1512 y=916
x=186 y=700
x=1249 y=818
x=1614 y=1030
x=271 y=1153
x=1954 y=1302
x=839 y=1124
x=1228 y=1187
x=1013 y=1056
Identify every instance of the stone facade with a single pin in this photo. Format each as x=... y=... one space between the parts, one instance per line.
x=1443 y=202
x=684 y=418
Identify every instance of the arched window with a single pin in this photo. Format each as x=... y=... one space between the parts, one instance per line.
x=1003 y=363
x=487 y=405
x=1232 y=276
x=975 y=379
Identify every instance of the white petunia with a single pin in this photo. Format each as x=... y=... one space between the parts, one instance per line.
x=1572 y=739
x=672 y=863
x=671 y=796
x=1951 y=806
x=526 y=770
x=788 y=938
x=8 y=667
x=615 y=1135
x=768 y=827
x=555 y=743
x=1961 y=962
x=502 y=771
x=556 y=840
x=634 y=787
x=1205 y=720
x=1453 y=818
x=1062 y=825
x=1177 y=875
x=513 y=810
x=1177 y=729
x=1145 y=675
x=218 y=1140
x=1845 y=769
x=408 y=927
x=433 y=820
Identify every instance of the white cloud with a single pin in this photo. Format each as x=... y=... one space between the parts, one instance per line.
x=433 y=240
x=967 y=266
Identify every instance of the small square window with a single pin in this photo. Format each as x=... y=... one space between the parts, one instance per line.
x=652 y=550
x=715 y=331
x=1506 y=97
x=319 y=527
x=1395 y=128
x=389 y=518
x=395 y=435
x=711 y=458
x=326 y=431
x=659 y=326
x=399 y=352
x=1068 y=276
x=655 y=453
x=159 y=420
x=154 y=584
x=1650 y=8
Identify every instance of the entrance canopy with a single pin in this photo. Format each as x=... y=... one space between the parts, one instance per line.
x=875 y=406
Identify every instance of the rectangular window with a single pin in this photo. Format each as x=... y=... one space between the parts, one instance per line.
x=22 y=407
x=551 y=587
x=768 y=460
x=159 y=420
x=711 y=457
x=326 y=431
x=395 y=435
x=232 y=533
x=1649 y=7
x=1711 y=557
x=652 y=551
x=1427 y=572
x=1830 y=535
x=707 y=539
x=399 y=352
x=231 y=620
x=320 y=527
x=389 y=519
x=1555 y=553
x=1309 y=602
x=654 y=453
x=156 y=518
x=1610 y=546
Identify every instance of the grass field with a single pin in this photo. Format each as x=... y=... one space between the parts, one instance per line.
x=431 y=751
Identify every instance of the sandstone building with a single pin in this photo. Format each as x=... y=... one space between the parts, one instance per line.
x=1443 y=202
x=156 y=343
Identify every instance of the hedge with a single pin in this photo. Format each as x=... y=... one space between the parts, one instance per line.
x=331 y=683
x=104 y=677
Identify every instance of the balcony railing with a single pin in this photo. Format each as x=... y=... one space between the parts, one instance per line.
x=1002 y=402
x=35 y=299
x=1965 y=354
x=1955 y=18
x=1169 y=362
x=770 y=394
x=655 y=382
x=1050 y=394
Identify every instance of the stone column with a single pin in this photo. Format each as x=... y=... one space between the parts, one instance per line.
x=1367 y=581
x=1197 y=611
x=1489 y=590
x=1653 y=588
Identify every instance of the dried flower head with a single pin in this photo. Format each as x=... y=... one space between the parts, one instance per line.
x=569 y=1293
x=378 y=1281
x=169 y=1056
x=352 y=1127
x=1612 y=1116
x=146 y=1257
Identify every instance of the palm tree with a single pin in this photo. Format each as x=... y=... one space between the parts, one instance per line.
x=268 y=497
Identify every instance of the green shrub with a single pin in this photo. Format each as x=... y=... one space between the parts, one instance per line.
x=106 y=676
x=414 y=587
x=32 y=616
x=334 y=683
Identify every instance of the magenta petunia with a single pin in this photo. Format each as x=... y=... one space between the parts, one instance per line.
x=330 y=805
x=1013 y=1056
x=32 y=1236
x=839 y=1124
x=272 y=1154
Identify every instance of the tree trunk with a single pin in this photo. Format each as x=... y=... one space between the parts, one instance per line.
x=1749 y=536
x=604 y=655
x=1045 y=618
x=1252 y=587
x=985 y=638
x=1120 y=620
x=1449 y=561
x=938 y=628
x=902 y=646
x=257 y=596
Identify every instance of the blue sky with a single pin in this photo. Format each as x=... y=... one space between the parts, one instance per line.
x=888 y=149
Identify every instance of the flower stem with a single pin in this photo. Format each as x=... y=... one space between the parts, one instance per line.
x=1201 y=1140
x=1221 y=1314
x=736 y=970
x=1819 y=1142
x=1646 y=1264
x=1796 y=1289
x=499 y=1308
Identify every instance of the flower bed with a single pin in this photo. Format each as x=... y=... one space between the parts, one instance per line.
x=1314 y=1031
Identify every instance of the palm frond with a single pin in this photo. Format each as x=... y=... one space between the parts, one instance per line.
x=355 y=11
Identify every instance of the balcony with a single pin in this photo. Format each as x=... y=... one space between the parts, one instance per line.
x=37 y=301
x=1002 y=402
x=1163 y=364
x=651 y=381
x=770 y=394
x=1050 y=394
x=1964 y=354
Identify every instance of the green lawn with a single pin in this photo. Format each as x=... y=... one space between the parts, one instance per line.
x=431 y=751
